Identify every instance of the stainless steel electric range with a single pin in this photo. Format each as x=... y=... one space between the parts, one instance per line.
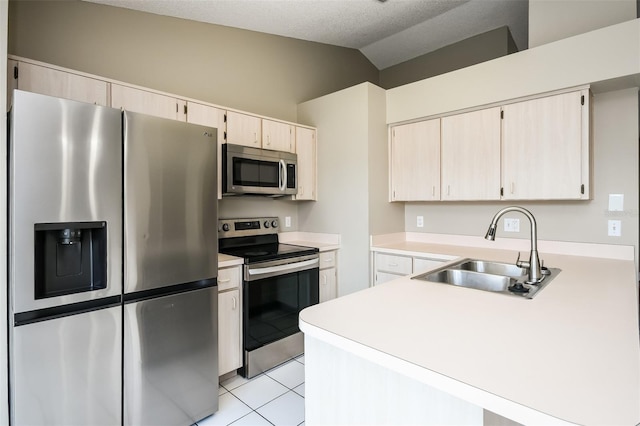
x=279 y=280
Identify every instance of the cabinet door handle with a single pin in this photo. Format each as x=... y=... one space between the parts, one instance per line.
x=513 y=187
x=433 y=191
x=393 y=264
x=448 y=189
x=235 y=303
x=324 y=278
x=224 y=280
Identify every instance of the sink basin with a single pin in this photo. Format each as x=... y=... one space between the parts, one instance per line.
x=496 y=268
x=479 y=281
x=503 y=278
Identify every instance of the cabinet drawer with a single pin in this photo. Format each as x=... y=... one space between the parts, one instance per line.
x=327 y=259
x=383 y=277
x=228 y=278
x=423 y=264
x=394 y=264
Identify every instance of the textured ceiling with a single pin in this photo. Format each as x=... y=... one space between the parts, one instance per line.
x=386 y=32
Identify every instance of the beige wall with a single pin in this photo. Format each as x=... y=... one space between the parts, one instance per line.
x=384 y=217
x=615 y=171
x=483 y=47
x=609 y=57
x=352 y=182
x=551 y=20
x=251 y=71
x=611 y=62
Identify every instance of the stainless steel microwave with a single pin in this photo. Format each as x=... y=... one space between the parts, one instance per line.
x=247 y=170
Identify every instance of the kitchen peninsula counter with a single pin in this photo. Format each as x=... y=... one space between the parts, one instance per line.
x=570 y=355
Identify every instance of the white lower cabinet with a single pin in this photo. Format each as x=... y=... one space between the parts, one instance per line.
x=422 y=264
x=388 y=267
x=328 y=289
x=229 y=320
x=328 y=276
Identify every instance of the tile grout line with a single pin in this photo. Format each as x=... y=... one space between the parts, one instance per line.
x=289 y=389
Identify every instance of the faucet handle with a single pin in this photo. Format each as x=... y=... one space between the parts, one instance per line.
x=522 y=263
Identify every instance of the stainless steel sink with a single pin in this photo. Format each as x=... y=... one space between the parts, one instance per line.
x=496 y=268
x=495 y=277
x=471 y=279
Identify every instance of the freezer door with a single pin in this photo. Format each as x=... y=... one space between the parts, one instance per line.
x=170 y=202
x=171 y=359
x=65 y=166
x=67 y=371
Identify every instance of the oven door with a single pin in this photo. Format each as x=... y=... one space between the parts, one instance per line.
x=274 y=293
x=257 y=171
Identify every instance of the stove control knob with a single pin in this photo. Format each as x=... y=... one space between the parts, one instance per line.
x=266 y=224
x=225 y=227
x=274 y=223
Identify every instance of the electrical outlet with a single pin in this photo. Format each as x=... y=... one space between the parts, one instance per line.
x=287 y=221
x=616 y=202
x=512 y=225
x=420 y=221
x=615 y=228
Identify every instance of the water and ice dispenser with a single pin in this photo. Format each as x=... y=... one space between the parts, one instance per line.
x=70 y=258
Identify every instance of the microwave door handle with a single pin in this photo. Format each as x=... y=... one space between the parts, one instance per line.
x=283 y=176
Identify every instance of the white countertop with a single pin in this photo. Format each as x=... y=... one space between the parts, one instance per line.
x=224 y=260
x=571 y=353
x=323 y=242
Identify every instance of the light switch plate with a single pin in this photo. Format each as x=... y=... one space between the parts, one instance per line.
x=615 y=228
x=420 y=221
x=287 y=221
x=616 y=202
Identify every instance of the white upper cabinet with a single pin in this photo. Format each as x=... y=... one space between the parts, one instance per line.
x=545 y=148
x=535 y=149
x=307 y=163
x=244 y=129
x=415 y=161
x=61 y=84
x=278 y=136
x=471 y=156
x=150 y=103
x=206 y=115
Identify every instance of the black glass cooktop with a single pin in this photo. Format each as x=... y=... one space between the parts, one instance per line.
x=255 y=249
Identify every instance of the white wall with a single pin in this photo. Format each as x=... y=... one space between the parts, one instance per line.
x=551 y=20
x=351 y=154
x=4 y=386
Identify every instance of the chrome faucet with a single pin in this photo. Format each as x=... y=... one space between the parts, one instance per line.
x=535 y=271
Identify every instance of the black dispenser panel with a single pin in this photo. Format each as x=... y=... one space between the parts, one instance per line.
x=70 y=257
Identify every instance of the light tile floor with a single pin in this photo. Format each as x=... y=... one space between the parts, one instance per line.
x=275 y=397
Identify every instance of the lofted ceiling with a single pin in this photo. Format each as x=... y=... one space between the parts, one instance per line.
x=387 y=32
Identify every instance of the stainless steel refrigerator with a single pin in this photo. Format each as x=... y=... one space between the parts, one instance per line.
x=93 y=192
x=170 y=293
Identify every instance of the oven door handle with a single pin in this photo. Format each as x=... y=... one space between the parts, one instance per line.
x=280 y=269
